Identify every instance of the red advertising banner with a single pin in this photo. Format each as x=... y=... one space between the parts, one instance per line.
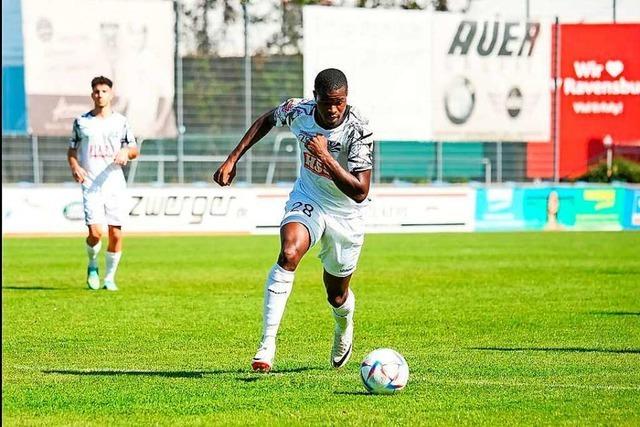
x=599 y=96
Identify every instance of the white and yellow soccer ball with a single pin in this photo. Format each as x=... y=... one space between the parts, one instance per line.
x=384 y=371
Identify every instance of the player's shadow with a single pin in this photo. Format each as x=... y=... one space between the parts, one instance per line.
x=246 y=376
x=355 y=393
x=30 y=288
x=615 y=313
x=562 y=349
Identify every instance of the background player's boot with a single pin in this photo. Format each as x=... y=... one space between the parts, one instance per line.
x=342 y=342
x=263 y=360
x=110 y=285
x=93 y=278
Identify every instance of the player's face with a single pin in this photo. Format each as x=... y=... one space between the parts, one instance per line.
x=102 y=95
x=331 y=106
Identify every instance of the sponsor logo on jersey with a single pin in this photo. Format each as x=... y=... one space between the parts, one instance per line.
x=101 y=150
x=314 y=164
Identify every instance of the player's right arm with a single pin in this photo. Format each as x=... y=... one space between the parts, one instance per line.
x=77 y=171
x=227 y=171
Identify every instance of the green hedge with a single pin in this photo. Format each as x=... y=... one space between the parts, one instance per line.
x=622 y=170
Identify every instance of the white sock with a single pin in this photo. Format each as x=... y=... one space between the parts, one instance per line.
x=113 y=258
x=92 y=253
x=276 y=292
x=344 y=313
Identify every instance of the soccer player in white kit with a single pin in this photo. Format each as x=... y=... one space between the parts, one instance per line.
x=101 y=143
x=324 y=206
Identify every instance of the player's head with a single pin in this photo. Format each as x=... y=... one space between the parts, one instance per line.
x=330 y=92
x=101 y=91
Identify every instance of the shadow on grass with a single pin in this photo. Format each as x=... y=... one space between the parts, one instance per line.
x=561 y=349
x=355 y=393
x=177 y=374
x=616 y=313
x=31 y=288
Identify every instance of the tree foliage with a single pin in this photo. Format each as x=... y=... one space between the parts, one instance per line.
x=286 y=13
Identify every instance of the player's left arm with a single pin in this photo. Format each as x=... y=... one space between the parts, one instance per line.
x=129 y=148
x=354 y=184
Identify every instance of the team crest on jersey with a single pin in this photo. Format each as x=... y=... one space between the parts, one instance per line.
x=314 y=164
x=332 y=146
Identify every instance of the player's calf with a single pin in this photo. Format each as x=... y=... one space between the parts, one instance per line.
x=343 y=332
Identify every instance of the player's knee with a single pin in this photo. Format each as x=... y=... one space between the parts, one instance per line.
x=337 y=299
x=290 y=257
x=94 y=236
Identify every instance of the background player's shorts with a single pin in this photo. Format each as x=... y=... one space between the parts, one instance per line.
x=104 y=206
x=341 y=237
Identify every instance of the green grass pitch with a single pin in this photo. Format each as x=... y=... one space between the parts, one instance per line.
x=498 y=329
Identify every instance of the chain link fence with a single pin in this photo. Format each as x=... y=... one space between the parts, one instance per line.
x=275 y=160
x=215 y=106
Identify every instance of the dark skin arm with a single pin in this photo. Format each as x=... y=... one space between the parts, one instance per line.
x=227 y=171
x=354 y=184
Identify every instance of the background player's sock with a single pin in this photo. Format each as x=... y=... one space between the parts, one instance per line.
x=113 y=258
x=276 y=292
x=92 y=253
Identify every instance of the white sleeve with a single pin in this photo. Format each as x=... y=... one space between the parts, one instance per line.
x=128 y=140
x=287 y=112
x=75 y=138
x=360 y=157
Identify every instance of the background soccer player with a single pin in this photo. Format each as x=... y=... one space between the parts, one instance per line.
x=325 y=204
x=101 y=143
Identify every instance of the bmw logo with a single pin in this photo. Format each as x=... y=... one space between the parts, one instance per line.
x=459 y=100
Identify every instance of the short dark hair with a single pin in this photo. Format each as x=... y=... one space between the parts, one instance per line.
x=101 y=80
x=330 y=79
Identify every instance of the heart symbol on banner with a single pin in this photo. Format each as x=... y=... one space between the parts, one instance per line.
x=614 y=68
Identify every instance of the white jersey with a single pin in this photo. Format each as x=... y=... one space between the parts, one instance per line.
x=98 y=140
x=351 y=144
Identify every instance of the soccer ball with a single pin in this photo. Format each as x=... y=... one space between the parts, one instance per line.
x=384 y=371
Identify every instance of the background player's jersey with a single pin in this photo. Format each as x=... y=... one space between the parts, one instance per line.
x=98 y=140
x=351 y=144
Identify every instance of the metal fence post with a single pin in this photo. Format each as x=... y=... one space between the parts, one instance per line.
x=499 y=161
x=439 y=161
x=376 y=163
x=556 y=104
x=35 y=159
x=179 y=96
x=247 y=86
x=487 y=170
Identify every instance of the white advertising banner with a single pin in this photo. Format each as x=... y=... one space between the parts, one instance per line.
x=68 y=43
x=54 y=210
x=421 y=209
x=425 y=76
x=59 y=210
x=491 y=79
x=385 y=55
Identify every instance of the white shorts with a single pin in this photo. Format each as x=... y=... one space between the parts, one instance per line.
x=104 y=205
x=341 y=237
